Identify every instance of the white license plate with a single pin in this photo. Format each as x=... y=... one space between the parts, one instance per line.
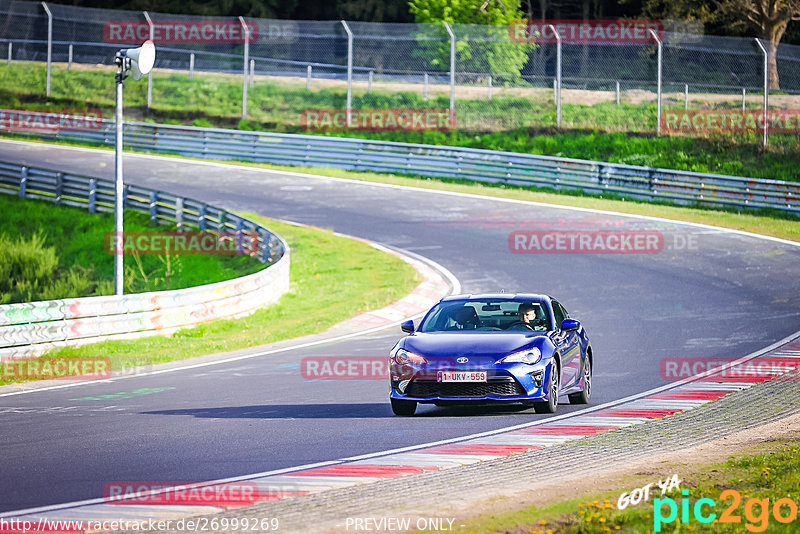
x=461 y=376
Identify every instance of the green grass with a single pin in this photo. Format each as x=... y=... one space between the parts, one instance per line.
x=604 y=131
x=771 y=473
x=332 y=278
x=76 y=238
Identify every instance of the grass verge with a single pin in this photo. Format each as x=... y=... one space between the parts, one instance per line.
x=766 y=475
x=515 y=122
x=332 y=278
x=75 y=262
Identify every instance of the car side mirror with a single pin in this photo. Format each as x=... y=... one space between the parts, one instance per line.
x=568 y=325
x=407 y=327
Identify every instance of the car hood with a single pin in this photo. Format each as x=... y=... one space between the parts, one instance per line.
x=470 y=344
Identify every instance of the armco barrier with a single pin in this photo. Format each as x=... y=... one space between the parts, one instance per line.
x=681 y=187
x=31 y=328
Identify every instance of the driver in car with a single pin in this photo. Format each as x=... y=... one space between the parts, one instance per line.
x=528 y=320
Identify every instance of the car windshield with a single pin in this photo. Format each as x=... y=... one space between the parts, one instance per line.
x=486 y=315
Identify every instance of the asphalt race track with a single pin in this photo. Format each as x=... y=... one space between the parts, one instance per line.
x=708 y=293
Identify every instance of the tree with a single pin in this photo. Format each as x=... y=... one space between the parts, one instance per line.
x=768 y=19
x=482 y=40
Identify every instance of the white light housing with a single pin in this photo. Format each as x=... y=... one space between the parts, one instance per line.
x=529 y=356
x=142 y=59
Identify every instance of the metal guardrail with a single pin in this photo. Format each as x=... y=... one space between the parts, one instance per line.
x=680 y=187
x=31 y=328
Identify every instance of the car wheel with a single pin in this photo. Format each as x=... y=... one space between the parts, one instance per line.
x=403 y=407
x=582 y=397
x=553 y=388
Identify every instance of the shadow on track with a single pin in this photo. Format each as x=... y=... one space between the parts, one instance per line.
x=333 y=411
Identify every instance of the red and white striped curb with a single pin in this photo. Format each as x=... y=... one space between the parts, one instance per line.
x=661 y=402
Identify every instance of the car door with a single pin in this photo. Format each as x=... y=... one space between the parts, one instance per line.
x=569 y=348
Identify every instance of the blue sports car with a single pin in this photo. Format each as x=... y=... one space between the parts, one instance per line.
x=501 y=348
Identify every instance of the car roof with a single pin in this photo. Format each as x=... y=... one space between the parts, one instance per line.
x=499 y=296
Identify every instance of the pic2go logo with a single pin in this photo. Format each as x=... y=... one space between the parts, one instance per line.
x=756 y=511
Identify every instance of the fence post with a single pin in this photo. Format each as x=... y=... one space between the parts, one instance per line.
x=59 y=187
x=618 y=92
x=49 y=43
x=252 y=72
x=658 y=105
x=244 y=65
x=490 y=87
x=23 y=181
x=452 y=74
x=557 y=81
x=349 y=73
x=191 y=66
x=179 y=213
x=369 y=86
x=308 y=78
x=686 y=96
x=766 y=86
x=69 y=61
x=10 y=48
x=425 y=87
x=744 y=93
x=92 y=195
x=149 y=74
x=153 y=207
x=201 y=218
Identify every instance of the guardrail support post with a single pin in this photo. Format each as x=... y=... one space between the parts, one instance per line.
x=201 y=218
x=766 y=87
x=149 y=74
x=92 y=195
x=49 y=43
x=452 y=74
x=59 y=187
x=349 y=109
x=658 y=96
x=23 y=181
x=153 y=208
x=179 y=213
x=246 y=30
x=191 y=66
x=557 y=80
x=221 y=223
x=126 y=192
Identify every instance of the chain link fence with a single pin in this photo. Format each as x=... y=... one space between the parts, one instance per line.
x=274 y=71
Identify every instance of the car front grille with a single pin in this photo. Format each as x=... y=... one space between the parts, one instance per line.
x=429 y=388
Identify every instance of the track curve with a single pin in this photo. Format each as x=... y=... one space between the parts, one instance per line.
x=727 y=296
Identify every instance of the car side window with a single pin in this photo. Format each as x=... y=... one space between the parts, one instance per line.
x=559 y=314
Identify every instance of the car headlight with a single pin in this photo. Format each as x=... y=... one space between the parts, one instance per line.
x=529 y=356
x=404 y=357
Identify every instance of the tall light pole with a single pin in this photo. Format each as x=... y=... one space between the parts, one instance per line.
x=140 y=62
